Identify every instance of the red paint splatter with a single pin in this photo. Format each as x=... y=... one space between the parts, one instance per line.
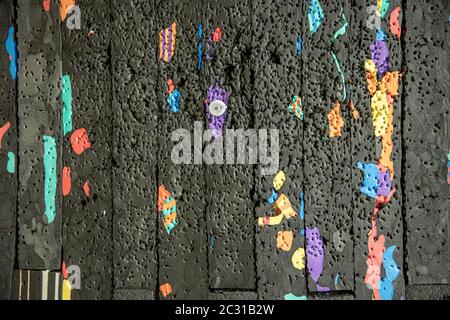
x=170 y=86
x=66 y=181
x=80 y=141
x=64 y=270
x=46 y=5
x=217 y=35
x=86 y=188
x=394 y=23
x=3 y=131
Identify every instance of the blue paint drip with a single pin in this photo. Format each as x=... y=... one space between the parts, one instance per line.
x=50 y=177
x=299 y=45
x=273 y=197
x=200 y=47
x=11 y=166
x=315 y=15
x=11 y=49
x=336 y=280
x=302 y=232
x=392 y=271
x=174 y=100
x=67 y=104
x=302 y=205
x=291 y=296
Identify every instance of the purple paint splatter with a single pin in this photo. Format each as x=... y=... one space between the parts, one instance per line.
x=216 y=124
x=314 y=253
x=380 y=55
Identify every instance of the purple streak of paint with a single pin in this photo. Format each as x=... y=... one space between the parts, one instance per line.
x=384 y=183
x=314 y=253
x=322 y=289
x=216 y=124
x=163 y=42
x=169 y=50
x=380 y=55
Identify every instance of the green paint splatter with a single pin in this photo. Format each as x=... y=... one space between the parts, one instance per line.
x=291 y=296
x=384 y=7
x=343 y=29
x=344 y=90
x=67 y=104
x=50 y=177
x=11 y=166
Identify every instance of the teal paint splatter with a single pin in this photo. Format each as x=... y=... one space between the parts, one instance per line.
x=291 y=296
x=344 y=90
x=343 y=29
x=11 y=166
x=67 y=104
x=392 y=271
x=315 y=15
x=49 y=177
x=302 y=206
x=384 y=8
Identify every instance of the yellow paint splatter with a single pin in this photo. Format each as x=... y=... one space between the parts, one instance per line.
x=66 y=290
x=298 y=259
x=380 y=109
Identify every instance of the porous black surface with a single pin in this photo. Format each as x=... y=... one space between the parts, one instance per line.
x=88 y=237
x=39 y=114
x=217 y=250
x=426 y=137
x=8 y=181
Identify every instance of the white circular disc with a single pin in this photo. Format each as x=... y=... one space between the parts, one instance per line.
x=217 y=108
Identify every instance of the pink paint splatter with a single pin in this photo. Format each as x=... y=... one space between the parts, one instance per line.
x=86 y=188
x=80 y=141
x=217 y=35
x=3 y=131
x=394 y=23
x=66 y=181
x=46 y=5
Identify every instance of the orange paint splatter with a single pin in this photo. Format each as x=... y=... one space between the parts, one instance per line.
x=170 y=86
x=66 y=181
x=46 y=5
x=355 y=112
x=64 y=6
x=163 y=194
x=80 y=141
x=165 y=289
x=394 y=23
x=86 y=188
x=386 y=139
x=335 y=121
x=3 y=131
x=389 y=83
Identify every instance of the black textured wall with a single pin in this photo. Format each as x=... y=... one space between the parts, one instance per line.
x=87 y=151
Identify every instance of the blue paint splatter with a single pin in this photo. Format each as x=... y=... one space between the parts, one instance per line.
x=174 y=100
x=302 y=232
x=336 y=280
x=11 y=49
x=302 y=205
x=291 y=296
x=392 y=271
x=200 y=47
x=273 y=197
x=369 y=185
x=50 y=177
x=299 y=45
x=381 y=35
x=11 y=166
x=315 y=15
x=67 y=104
